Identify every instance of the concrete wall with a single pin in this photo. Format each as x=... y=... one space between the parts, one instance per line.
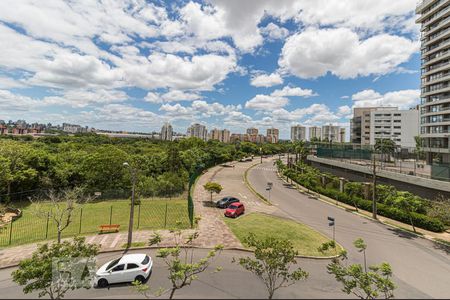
x=426 y=188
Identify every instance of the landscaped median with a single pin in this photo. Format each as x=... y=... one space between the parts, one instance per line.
x=304 y=239
x=249 y=186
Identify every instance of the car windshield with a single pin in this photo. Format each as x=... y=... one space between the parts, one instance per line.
x=146 y=260
x=232 y=207
x=112 y=264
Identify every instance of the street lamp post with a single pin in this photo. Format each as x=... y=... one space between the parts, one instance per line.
x=133 y=188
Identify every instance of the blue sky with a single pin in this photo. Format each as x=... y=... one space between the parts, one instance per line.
x=134 y=64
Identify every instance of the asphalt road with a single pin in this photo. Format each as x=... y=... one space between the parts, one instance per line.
x=231 y=282
x=421 y=268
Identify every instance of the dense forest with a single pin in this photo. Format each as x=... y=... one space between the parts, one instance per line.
x=29 y=166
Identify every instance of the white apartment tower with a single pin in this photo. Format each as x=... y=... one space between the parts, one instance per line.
x=166 y=132
x=198 y=131
x=331 y=133
x=315 y=132
x=298 y=133
x=434 y=17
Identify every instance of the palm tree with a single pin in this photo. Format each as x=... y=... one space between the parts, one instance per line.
x=384 y=146
x=300 y=151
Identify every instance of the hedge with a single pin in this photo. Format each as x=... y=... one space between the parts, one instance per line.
x=419 y=220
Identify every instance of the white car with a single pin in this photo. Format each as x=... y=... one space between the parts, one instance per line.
x=127 y=268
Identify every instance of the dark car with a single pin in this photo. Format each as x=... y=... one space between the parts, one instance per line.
x=234 y=210
x=225 y=202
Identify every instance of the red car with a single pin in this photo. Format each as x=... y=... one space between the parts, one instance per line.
x=234 y=210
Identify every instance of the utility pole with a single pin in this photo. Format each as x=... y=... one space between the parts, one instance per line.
x=133 y=188
x=260 y=152
x=374 y=188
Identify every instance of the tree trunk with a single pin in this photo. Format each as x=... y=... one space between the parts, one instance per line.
x=412 y=224
x=59 y=236
x=271 y=294
x=172 y=292
x=8 y=192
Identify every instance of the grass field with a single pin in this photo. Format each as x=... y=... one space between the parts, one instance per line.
x=151 y=214
x=305 y=239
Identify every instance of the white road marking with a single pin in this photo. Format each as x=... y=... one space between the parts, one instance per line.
x=91 y=239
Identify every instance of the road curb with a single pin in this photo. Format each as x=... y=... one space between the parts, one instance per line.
x=321 y=197
x=194 y=247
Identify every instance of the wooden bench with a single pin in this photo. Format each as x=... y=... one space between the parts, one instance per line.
x=109 y=228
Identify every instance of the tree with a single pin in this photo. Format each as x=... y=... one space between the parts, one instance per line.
x=300 y=151
x=15 y=169
x=62 y=207
x=408 y=203
x=384 y=146
x=353 y=189
x=357 y=280
x=272 y=264
x=183 y=270
x=38 y=272
x=213 y=187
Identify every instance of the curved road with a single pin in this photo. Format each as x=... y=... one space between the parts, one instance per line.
x=421 y=268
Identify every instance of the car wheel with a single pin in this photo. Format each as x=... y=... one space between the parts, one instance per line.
x=140 y=279
x=102 y=283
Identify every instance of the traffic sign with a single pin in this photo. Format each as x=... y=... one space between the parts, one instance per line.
x=330 y=221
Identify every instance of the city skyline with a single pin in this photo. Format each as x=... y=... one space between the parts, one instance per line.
x=190 y=62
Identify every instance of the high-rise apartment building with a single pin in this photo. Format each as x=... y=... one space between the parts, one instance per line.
x=198 y=131
x=342 y=135
x=435 y=78
x=315 y=132
x=166 y=132
x=220 y=135
x=298 y=133
x=330 y=133
x=273 y=135
x=252 y=131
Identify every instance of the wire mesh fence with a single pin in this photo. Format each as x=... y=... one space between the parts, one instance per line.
x=38 y=224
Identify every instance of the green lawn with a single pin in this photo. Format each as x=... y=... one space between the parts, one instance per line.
x=305 y=239
x=151 y=214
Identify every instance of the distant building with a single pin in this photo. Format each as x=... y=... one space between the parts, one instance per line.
x=252 y=131
x=315 y=132
x=330 y=133
x=71 y=128
x=401 y=126
x=360 y=124
x=3 y=129
x=342 y=135
x=166 y=132
x=198 y=131
x=298 y=133
x=272 y=135
x=220 y=135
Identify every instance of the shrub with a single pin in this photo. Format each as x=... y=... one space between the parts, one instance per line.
x=354 y=197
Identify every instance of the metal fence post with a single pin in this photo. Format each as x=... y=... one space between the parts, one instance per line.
x=165 y=216
x=110 y=215
x=46 y=226
x=139 y=215
x=10 y=232
x=81 y=216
